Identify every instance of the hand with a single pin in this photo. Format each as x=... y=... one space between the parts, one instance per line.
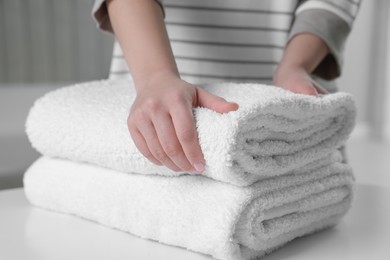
x=297 y=80
x=162 y=125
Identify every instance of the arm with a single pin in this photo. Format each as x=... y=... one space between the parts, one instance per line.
x=160 y=120
x=301 y=56
x=150 y=52
x=316 y=43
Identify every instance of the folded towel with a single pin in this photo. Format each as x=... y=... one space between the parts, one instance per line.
x=273 y=131
x=196 y=212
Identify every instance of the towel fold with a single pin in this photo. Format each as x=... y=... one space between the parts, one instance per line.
x=273 y=132
x=196 y=212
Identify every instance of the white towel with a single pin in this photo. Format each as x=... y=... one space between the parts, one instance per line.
x=274 y=131
x=196 y=212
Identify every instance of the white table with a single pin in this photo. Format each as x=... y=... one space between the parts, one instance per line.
x=32 y=233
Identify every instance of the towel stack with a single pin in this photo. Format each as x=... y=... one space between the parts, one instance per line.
x=274 y=171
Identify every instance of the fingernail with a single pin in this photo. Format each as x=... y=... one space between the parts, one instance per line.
x=199 y=166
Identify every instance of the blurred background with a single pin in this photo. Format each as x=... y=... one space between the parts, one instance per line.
x=46 y=44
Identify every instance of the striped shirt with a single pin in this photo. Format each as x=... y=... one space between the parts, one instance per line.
x=230 y=40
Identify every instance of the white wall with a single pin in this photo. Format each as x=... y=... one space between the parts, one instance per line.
x=387 y=73
x=51 y=41
x=365 y=69
x=356 y=73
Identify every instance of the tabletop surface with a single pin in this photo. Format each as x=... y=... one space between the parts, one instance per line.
x=32 y=233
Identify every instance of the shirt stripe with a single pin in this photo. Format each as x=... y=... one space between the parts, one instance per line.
x=228 y=44
x=279 y=6
x=223 y=9
x=238 y=36
x=227 y=27
x=223 y=52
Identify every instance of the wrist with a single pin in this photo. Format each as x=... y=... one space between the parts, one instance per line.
x=287 y=66
x=295 y=78
x=304 y=51
x=286 y=70
x=154 y=79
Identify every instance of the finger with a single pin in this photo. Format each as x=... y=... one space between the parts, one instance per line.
x=167 y=136
x=213 y=102
x=320 y=89
x=148 y=131
x=184 y=123
x=140 y=143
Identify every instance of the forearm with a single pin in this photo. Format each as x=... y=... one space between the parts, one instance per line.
x=305 y=51
x=140 y=30
x=301 y=57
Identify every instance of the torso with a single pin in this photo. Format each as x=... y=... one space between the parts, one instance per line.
x=225 y=40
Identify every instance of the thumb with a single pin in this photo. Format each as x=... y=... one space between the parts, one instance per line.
x=213 y=102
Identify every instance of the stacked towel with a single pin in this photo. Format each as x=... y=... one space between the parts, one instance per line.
x=273 y=170
x=274 y=131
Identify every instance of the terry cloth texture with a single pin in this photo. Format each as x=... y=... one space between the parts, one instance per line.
x=196 y=212
x=273 y=132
